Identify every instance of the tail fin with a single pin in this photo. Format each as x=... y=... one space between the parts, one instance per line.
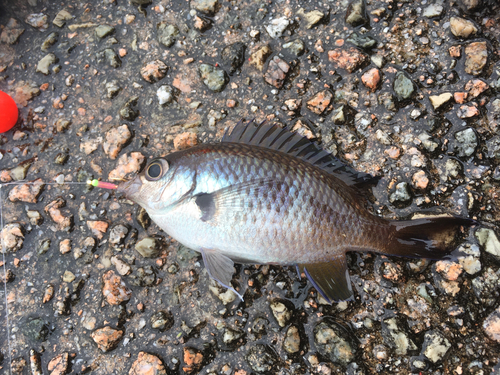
x=431 y=238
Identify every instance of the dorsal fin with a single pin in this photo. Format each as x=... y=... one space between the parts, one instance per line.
x=274 y=137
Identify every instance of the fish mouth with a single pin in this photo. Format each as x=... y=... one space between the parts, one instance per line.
x=131 y=187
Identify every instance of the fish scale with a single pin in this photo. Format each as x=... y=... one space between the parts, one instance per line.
x=267 y=196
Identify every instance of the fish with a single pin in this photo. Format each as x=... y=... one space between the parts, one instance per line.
x=267 y=195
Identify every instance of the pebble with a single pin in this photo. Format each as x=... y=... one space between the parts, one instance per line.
x=291 y=343
x=127 y=112
x=162 y=320
x=110 y=57
x=127 y=164
x=49 y=41
x=281 y=313
x=35 y=328
x=107 y=338
x=462 y=28
x=35 y=363
x=102 y=31
x=348 y=59
x=205 y=6
x=147 y=364
x=401 y=194
x=185 y=140
x=153 y=71
x=476 y=56
x=28 y=193
x=277 y=26
x=233 y=56
x=115 y=139
x=371 y=79
x=486 y=285
x=118 y=234
x=320 y=101
x=356 y=13
x=489 y=241
x=68 y=277
x=148 y=247
x=433 y=10
x=467 y=111
x=213 y=77
x=230 y=336
x=491 y=325
x=88 y=146
x=435 y=346
x=112 y=89
x=296 y=47
x=165 y=95
x=167 y=33
x=403 y=86
x=466 y=142
x=11 y=32
x=367 y=42
x=396 y=338
x=438 y=101
x=64 y=222
x=261 y=358
x=193 y=360
x=475 y=87
x=332 y=342
x=39 y=21
x=25 y=91
x=98 y=227
x=114 y=290
x=61 y=18
x=59 y=365
x=277 y=71
x=226 y=296
x=48 y=293
x=420 y=180
x=469 y=258
x=311 y=18
x=259 y=57
x=121 y=267
x=44 y=64
x=143 y=276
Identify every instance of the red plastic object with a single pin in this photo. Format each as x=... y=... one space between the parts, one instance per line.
x=8 y=112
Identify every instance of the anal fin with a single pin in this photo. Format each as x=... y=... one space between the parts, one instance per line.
x=220 y=268
x=331 y=279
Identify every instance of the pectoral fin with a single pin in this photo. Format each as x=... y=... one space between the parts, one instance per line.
x=220 y=268
x=331 y=279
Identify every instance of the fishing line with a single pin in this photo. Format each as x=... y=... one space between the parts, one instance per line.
x=95 y=183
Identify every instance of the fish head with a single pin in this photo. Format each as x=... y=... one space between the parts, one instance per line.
x=161 y=184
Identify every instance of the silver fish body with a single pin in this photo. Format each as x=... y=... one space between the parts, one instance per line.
x=245 y=201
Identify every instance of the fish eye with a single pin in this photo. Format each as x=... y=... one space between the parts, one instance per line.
x=156 y=169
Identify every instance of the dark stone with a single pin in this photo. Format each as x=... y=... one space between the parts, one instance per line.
x=36 y=329
x=233 y=56
x=362 y=41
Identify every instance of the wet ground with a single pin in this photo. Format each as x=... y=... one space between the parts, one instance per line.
x=407 y=91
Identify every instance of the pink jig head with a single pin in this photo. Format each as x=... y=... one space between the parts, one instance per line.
x=102 y=184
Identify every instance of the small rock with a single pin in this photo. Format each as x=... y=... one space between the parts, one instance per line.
x=438 y=101
x=401 y=194
x=281 y=312
x=154 y=71
x=491 y=325
x=475 y=87
x=12 y=31
x=226 y=296
x=230 y=336
x=466 y=111
x=147 y=364
x=116 y=138
x=433 y=10
x=312 y=18
x=64 y=223
x=127 y=112
x=48 y=293
x=49 y=41
x=489 y=241
x=331 y=341
x=127 y=164
x=102 y=31
x=420 y=180
x=320 y=101
x=143 y=276
x=259 y=57
x=59 y=365
x=121 y=267
x=167 y=33
x=201 y=23
x=148 y=247
x=69 y=80
x=61 y=18
x=396 y=338
x=469 y=5
x=24 y=92
x=349 y=59
x=205 y=6
x=88 y=146
x=403 y=86
x=193 y=360
x=214 y=78
x=36 y=329
x=462 y=28
x=118 y=234
x=356 y=13
x=277 y=26
x=114 y=290
x=12 y=236
x=65 y=246
x=44 y=64
x=107 y=338
x=371 y=79
x=28 y=193
x=435 y=346
x=277 y=71
x=165 y=95
x=112 y=89
x=233 y=56
x=364 y=41
x=296 y=47
x=162 y=320
x=39 y=21
x=466 y=142
x=261 y=358
x=110 y=57
x=291 y=343
x=98 y=228
x=185 y=140
x=469 y=258
x=476 y=56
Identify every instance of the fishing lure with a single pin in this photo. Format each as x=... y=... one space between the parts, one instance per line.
x=264 y=195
